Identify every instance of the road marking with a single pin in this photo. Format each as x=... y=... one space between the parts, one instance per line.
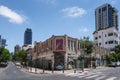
x=101 y=77
x=81 y=76
x=75 y=75
x=92 y=76
x=69 y=74
x=111 y=78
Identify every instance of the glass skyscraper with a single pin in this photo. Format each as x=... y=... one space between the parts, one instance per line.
x=28 y=36
x=3 y=42
x=106 y=16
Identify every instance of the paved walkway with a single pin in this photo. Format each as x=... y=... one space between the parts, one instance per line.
x=41 y=71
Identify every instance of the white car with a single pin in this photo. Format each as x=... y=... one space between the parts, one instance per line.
x=59 y=67
x=17 y=64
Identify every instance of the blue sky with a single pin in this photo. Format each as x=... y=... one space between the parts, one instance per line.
x=48 y=17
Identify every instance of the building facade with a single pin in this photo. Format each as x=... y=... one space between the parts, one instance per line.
x=29 y=50
x=17 y=48
x=0 y=40
x=28 y=36
x=55 y=51
x=3 y=42
x=106 y=33
x=106 y=16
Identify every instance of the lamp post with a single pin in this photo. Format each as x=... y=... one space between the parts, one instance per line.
x=64 y=65
x=52 y=60
x=83 y=57
x=74 y=66
x=43 y=64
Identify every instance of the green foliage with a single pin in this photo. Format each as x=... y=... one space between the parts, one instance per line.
x=117 y=49
x=20 y=56
x=113 y=57
x=93 y=58
x=4 y=55
x=80 y=58
x=87 y=45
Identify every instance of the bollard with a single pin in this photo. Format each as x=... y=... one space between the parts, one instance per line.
x=35 y=70
x=30 y=69
x=63 y=71
x=52 y=71
x=74 y=70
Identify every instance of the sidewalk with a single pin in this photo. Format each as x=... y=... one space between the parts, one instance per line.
x=41 y=71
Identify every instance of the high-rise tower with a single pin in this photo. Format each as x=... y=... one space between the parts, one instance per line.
x=106 y=16
x=28 y=36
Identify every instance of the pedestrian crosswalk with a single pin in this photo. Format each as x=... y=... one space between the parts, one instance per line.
x=112 y=78
x=92 y=76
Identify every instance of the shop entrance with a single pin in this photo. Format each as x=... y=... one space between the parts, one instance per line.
x=59 y=60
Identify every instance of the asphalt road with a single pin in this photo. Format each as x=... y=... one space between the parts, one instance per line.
x=13 y=73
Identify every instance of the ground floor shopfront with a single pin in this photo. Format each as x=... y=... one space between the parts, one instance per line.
x=58 y=60
x=62 y=60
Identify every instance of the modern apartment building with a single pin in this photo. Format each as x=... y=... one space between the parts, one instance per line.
x=3 y=43
x=106 y=16
x=106 y=33
x=55 y=51
x=0 y=40
x=28 y=36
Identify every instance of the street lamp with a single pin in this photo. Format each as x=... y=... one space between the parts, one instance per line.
x=74 y=66
x=43 y=64
x=52 y=60
x=83 y=56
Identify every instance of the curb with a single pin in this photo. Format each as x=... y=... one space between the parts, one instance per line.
x=34 y=72
x=54 y=73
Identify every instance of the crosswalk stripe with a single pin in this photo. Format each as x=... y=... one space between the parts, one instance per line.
x=111 y=78
x=92 y=76
x=81 y=76
x=75 y=75
x=70 y=74
x=101 y=77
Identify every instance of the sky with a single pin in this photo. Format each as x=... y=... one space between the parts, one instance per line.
x=76 y=18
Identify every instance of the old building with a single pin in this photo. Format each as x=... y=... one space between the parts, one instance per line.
x=56 y=51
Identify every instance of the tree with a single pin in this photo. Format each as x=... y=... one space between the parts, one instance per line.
x=20 y=56
x=87 y=45
x=80 y=58
x=4 y=54
x=113 y=57
x=117 y=49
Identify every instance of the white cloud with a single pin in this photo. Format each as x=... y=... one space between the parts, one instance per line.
x=84 y=30
x=74 y=12
x=11 y=15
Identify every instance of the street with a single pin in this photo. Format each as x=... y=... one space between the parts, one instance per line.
x=13 y=73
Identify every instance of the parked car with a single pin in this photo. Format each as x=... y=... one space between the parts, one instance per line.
x=59 y=67
x=3 y=64
x=118 y=63
x=113 y=64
